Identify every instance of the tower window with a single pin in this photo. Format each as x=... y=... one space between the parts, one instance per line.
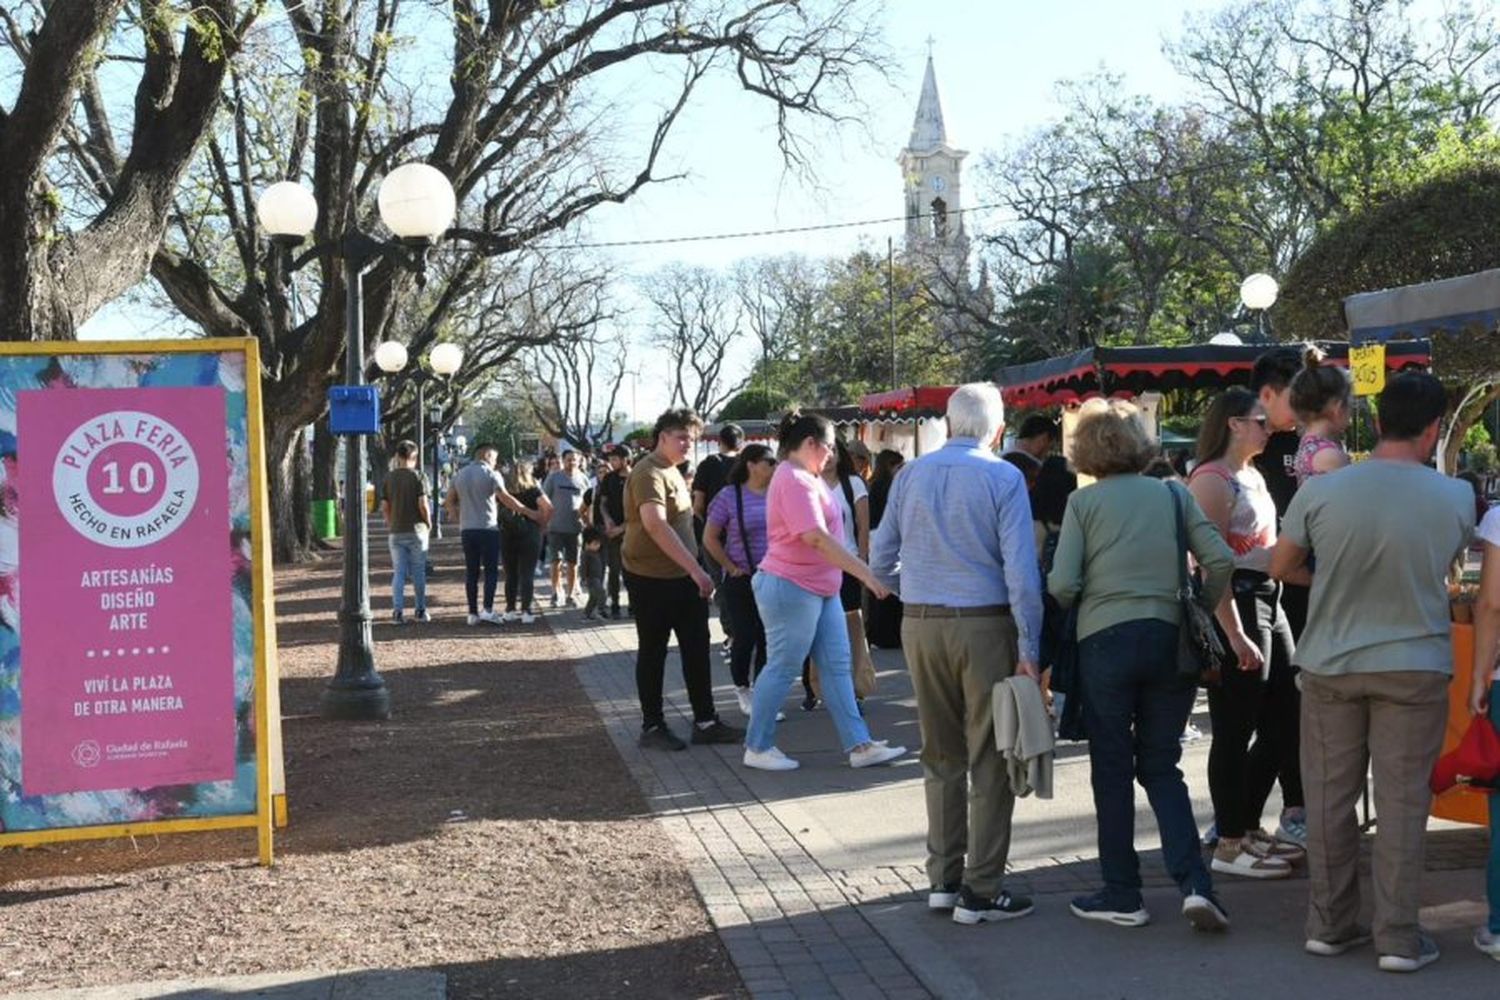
x=939 y=219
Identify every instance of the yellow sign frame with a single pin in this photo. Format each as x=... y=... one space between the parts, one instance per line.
x=270 y=792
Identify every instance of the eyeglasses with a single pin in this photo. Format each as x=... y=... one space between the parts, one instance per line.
x=1261 y=421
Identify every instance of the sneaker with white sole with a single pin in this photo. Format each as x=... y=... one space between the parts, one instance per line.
x=527 y=618
x=1262 y=843
x=770 y=759
x=943 y=897
x=1427 y=953
x=1239 y=857
x=971 y=908
x=1204 y=911
x=1332 y=949
x=874 y=753
x=1488 y=942
x=490 y=618
x=1098 y=907
x=472 y=620
x=742 y=695
x=1292 y=830
x=511 y=616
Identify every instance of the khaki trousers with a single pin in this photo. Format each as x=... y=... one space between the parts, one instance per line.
x=1392 y=722
x=955 y=663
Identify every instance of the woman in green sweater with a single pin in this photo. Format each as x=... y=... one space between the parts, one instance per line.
x=1117 y=557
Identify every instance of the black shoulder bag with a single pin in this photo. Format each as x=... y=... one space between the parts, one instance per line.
x=739 y=510
x=1200 y=652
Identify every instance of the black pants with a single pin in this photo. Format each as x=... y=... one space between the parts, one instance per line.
x=519 y=550
x=481 y=551
x=614 y=565
x=662 y=608
x=1264 y=705
x=749 y=633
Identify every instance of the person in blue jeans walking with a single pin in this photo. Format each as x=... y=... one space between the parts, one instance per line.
x=1117 y=559
x=1482 y=699
x=797 y=593
x=409 y=518
x=474 y=494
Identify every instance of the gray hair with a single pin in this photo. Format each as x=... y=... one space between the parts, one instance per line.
x=976 y=410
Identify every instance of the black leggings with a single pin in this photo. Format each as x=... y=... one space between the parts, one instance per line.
x=1264 y=705
x=749 y=633
x=481 y=554
x=519 y=550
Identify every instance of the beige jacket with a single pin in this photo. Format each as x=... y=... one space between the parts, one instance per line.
x=1023 y=735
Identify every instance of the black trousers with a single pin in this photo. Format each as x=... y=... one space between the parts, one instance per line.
x=749 y=645
x=614 y=566
x=481 y=552
x=1263 y=705
x=664 y=608
x=519 y=550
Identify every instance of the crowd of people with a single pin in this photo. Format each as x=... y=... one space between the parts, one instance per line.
x=992 y=570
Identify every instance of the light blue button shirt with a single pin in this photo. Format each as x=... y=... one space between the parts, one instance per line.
x=957 y=532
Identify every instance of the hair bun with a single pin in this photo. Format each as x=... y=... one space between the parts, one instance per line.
x=1312 y=356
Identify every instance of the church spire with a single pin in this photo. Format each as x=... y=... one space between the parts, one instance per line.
x=928 y=131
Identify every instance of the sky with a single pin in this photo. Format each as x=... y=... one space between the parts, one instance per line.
x=997 y=68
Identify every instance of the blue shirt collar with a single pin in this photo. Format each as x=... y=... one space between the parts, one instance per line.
x=962 y=442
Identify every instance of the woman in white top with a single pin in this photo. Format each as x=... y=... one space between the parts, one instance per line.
x=853 y=499
x=1482 y=699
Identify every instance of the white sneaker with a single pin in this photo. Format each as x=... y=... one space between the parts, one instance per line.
x=527 y=618
x=1427 y=953
x=769 y=760
x=472 y=619
x=1488 y=942
x=511 y=616
x=742 y=695
x=874 y=753
x=490 y=617
x=1240 y=859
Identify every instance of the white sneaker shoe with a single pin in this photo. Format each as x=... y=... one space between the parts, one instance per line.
x=472 y=619
x=771 y=759
x=510 y=617
x=490 y=618
x=527 y=618
x=1488 y=942
x=1427 y=953
x=742 y=695
x=874 y=753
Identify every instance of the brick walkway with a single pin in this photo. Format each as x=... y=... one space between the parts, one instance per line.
x=790 y=925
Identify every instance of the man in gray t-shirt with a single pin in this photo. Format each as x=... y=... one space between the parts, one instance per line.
x=1376 y=662
x=565 y=489
x=472 y=496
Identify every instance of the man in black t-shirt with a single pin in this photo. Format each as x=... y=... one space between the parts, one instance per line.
x=609 y=518
x=708 y=479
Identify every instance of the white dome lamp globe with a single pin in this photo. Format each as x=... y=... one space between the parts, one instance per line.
x=445 y=359
x=287 y=212
x=390 y=357
x=1259 y=292
x=417 y=203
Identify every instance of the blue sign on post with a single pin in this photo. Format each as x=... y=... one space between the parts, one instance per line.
x=353 y=409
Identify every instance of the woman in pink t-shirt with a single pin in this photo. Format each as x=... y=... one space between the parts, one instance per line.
x=797 y=592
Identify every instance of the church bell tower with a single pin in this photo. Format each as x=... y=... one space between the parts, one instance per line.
x=932 y=174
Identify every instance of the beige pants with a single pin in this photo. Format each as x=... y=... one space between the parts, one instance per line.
x=1392 y=722
x=954 y=663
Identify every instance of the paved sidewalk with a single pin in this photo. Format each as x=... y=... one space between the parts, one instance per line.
x=382 y=985
x=814 y=877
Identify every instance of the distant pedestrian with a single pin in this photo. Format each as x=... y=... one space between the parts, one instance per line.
x=883 y=617
x=735 y=538
x=1376 y=661
x=1117 y=559
x=565 y=489
x=591 y=568
x=1483 y=700
x=521 y=543
x=472 y=499
x=669 y=590
x=708 y=479
x=956 y=541
x=797 y=593
x=409 y=518
x=609 y=517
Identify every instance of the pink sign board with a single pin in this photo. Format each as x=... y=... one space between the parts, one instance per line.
x=128 y=644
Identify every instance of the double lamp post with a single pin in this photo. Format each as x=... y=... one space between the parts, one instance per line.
x=417 y=205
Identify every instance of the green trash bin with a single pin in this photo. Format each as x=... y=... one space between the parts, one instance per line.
x=325 y=518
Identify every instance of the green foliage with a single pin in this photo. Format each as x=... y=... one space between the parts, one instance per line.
x=755 y=404
x=1482 y=459
x=1477 y=436
x=502 y=422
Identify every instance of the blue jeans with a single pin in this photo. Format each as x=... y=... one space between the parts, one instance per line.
x=1134 y=708
x=799 y=622
x=1492 y=881
x=409 y=559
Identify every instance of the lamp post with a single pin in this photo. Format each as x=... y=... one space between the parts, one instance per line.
x=444 y=360
x=1258 y=293
x=417 y=205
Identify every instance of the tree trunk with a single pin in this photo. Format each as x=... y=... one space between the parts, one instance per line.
x=1467 y=416
x=324 y=461
x=289 y=477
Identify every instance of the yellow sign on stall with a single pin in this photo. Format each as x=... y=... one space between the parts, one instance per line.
x=1367 y=367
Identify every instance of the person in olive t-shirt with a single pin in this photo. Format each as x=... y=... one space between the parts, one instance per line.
x=669 y=591
x=408 y=517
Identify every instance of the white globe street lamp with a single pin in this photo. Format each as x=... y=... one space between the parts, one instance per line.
x=445 y=359
x=1259 y=291
x=287 y=211
x=417 y=202
x=391 y=357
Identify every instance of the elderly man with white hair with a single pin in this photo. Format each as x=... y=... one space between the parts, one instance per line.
x=956 y=542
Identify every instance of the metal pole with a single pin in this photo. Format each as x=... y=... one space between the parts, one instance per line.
x=357 y=691
x=437 y=475
x=890 y=301
x=421 y=428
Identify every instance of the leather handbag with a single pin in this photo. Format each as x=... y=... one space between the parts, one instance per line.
x=1200 y=651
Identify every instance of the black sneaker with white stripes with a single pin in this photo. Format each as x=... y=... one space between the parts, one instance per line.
x=972 y=908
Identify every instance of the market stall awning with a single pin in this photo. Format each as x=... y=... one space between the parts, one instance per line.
x=1448 y=306
x=913 y=402
x=1065 y=379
